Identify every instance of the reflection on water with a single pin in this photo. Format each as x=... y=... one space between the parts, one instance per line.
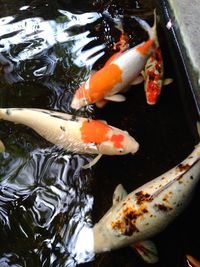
x=45 y=197
x=46 y=50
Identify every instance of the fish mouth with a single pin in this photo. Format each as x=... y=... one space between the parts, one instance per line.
x=75 y=104
x=135 y=147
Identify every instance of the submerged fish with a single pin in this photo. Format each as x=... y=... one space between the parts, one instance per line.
x=76 y=134
x=136 y=217
x=192 y=262
x=119 y=72
x=153 y=72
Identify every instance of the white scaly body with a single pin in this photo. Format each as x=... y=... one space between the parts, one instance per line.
x=70 y=132
x=50 y=125
x=149 y=209
x=131 y=63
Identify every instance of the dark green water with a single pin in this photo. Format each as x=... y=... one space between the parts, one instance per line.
x=47 y=48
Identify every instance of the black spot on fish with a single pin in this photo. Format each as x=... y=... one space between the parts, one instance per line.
x=163 y=207
x=183 y=167
x=191 y=177
x=62 y=128
x=8 y=112
x=74 y=118
x=141 y=197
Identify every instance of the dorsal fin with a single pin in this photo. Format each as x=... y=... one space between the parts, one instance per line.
x=119 y=194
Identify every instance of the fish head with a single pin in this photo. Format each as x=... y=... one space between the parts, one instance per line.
x=80 y=98
x=119 y=143
x=152 y=92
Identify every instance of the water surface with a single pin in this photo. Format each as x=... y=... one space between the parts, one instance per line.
x=46 y=50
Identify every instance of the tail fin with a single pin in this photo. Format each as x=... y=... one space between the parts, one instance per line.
x=2 y=147
x=152 y=31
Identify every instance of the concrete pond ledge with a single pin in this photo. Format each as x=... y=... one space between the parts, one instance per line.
x=184 y=16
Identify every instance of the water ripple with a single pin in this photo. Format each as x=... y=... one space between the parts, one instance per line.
x=45 y=198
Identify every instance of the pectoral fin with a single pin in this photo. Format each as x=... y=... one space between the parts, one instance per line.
x=119 y=194
x=138 y=80
x=116 y=98
x=101 y=104
x=143 y=75
x=2 y=147
x=147 y=250
x=167 y=81
x=92 y=162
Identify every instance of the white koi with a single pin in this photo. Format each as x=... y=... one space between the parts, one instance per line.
x=149 y=209
x=146 y=211
x=75 y=134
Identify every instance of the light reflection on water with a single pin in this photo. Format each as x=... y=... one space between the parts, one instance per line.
x=43 y=192
x=45 y=198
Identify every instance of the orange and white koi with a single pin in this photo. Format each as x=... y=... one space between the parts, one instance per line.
x=119 y=72
x=75 y=134
x=153 y=72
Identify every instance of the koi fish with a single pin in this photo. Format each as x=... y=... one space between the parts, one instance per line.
x=148 y=210
x=75 y=134
x=143 y=213
x=153 y=72
x=119 y=72
x=192 y=262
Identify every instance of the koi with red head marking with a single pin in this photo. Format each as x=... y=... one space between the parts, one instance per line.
x=108 y=139
x=119 y=72
x=75 y=134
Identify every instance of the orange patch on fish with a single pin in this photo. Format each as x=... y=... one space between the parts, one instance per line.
x=144 y=49
x=81 y=92
x=94 y=132
x=117 y=140
x=153 y=91
x=102 y=82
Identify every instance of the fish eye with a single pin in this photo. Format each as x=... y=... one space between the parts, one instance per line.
x=85 y=101
x=120 y=150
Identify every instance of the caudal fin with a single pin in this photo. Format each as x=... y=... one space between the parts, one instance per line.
x=2 y=147
x=152 y=31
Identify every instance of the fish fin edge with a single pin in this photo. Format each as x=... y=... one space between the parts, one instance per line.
x=147 y=250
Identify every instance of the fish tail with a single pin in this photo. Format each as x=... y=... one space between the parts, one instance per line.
x=4 y=112
x=1 y=114
x=152 y=31
x=2 y=147
x=154 y=28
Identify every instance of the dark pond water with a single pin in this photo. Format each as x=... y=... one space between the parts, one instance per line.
x=47 y=48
